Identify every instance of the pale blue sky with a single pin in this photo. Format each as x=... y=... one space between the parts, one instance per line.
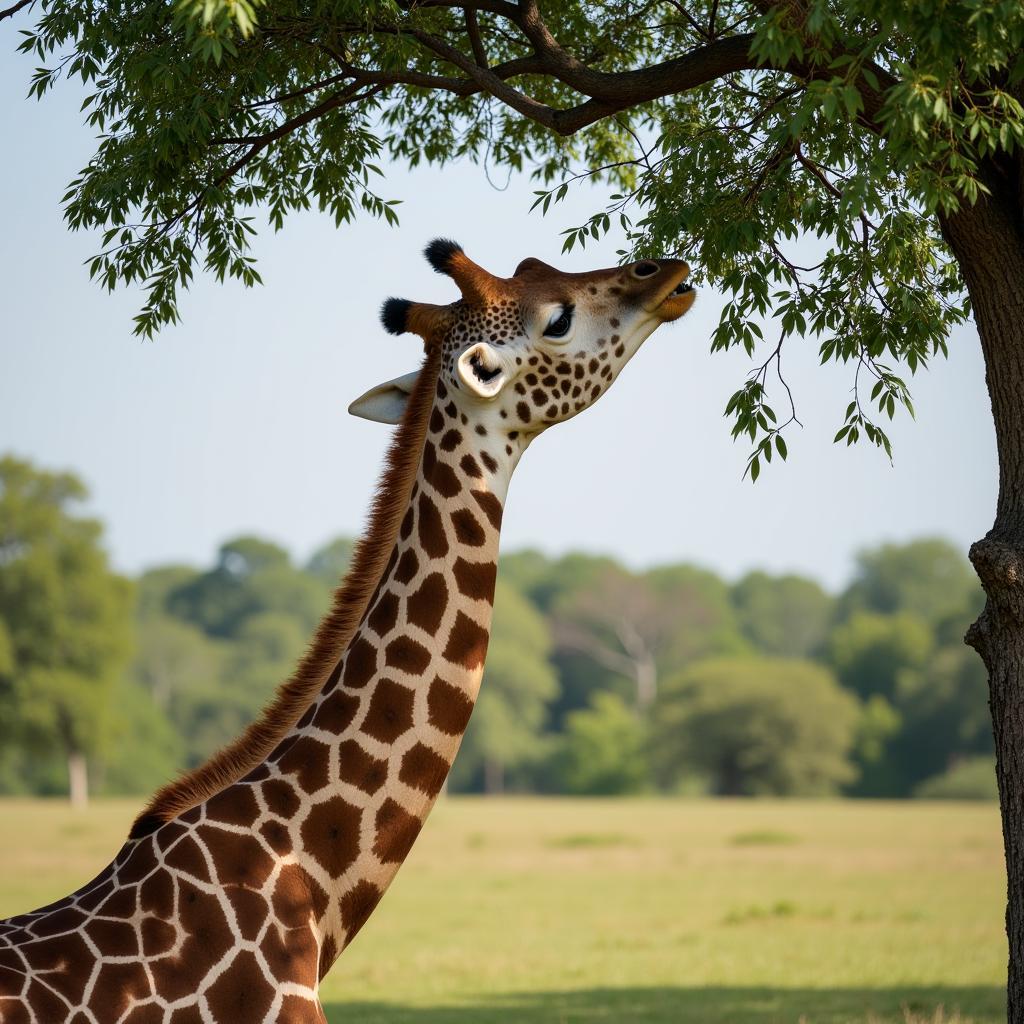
x=235 y=421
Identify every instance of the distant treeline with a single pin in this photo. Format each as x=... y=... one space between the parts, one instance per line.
x=599 y=680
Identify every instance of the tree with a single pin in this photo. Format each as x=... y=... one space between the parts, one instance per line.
x=545 y=581
x=757 y=726
x=617 y=622
x=65 y=619
x=172 y=657
x=330 y=562
x=504 y=732
x=633 y=626
x=155 y=586
x=973 y=779
x=944 y=718
x=252 y=576
x=784 y=615
x=927 y=577
x=870 y=652
x=888 y=133
x=142 y=748
x=604 y=749
x=550 y=584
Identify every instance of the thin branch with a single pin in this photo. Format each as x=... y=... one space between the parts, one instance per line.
x=473 y=31
x=690 y=20
x=782 y=380
x=818 y=173
x=14 y=8
x=487 y=80
x=646 y=156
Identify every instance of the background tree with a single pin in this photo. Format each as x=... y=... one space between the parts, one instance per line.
x=944 y=721
x=611 y=622
x=252 y=577
x=65 y=619
x=889 y=132
x=870 y=652
x=757 y=726
x=785 y=615
x=604 y=749
x=972 y=779
x=928 y=578
x=214 y=645
x=330 y=562
x=211 y=645
x=142 y=748
x=550 y=584
x=617 y=623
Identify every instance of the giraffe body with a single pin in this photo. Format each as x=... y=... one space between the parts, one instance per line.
x=230 y=905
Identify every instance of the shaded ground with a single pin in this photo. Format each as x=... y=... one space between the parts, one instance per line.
x=934 y=1005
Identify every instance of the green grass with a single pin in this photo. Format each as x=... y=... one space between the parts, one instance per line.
x=712 y=912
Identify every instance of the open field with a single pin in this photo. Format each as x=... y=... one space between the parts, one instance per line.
x=713 y=912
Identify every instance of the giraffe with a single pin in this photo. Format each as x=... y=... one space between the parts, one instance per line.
x=241 y=883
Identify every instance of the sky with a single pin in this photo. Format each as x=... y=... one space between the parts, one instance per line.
x=235 y=421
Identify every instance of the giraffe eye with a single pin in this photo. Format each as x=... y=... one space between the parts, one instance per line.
x=559 y=324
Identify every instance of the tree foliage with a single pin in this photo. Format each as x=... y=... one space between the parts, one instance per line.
x=758 y=726
x=604 y=749
x=785 y=615
x=870 y=652
x=723 y=129
x=928 y=578
x=64 y=617
x=211 y=644
x=252 y=576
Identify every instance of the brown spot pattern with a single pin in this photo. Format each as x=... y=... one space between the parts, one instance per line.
x=467 y=643
x=396 y=832
x=390 y=712
x=448 y=707
x=331 y=834
x=408 y=655
x=360 y=664
x=425 y=608
x=424 y=769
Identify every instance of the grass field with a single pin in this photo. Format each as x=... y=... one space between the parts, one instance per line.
x=717 y=912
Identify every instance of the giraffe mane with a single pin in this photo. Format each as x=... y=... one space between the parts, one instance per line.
x=335 y=630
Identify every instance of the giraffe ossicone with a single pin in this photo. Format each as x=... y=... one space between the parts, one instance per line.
x=242 y=882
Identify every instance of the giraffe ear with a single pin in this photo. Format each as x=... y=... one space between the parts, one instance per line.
x=386 y=402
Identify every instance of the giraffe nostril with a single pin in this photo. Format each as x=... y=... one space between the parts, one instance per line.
x=645 y=269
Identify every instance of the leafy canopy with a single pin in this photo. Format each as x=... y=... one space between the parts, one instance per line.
x=64 y=616
x=758 y=726
x=725 y=130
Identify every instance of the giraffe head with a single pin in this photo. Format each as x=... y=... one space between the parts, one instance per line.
x=521 y=353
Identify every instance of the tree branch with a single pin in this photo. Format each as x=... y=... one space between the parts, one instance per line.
x=487 y=80
x=473 y=31
x=12 y=10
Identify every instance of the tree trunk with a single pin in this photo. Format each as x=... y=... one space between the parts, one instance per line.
x=988 y=241
x=494 y=776
x=646 y=684
x=78 y=779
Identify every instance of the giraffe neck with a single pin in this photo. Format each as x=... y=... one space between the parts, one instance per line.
x=369 y=757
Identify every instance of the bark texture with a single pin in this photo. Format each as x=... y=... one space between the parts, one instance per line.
x=988 y=241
